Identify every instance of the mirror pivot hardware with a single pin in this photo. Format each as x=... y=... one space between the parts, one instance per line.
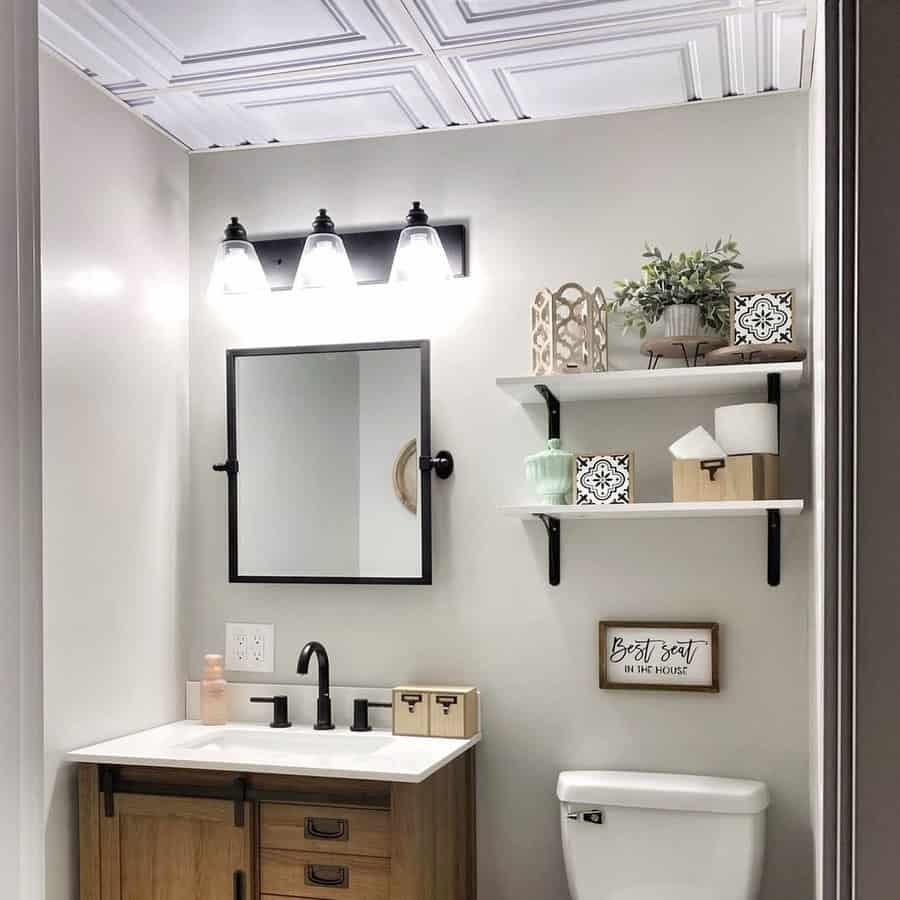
x=441 y=465
x=230 y=466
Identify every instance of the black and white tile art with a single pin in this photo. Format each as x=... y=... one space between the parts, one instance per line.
x=762 y=317
x=604 y=479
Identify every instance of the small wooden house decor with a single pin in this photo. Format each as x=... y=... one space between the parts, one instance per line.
x=568 y=331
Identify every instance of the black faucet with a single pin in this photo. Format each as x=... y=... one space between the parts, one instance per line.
x=324 y=722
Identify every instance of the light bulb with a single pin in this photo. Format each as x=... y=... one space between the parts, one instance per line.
x=420 y=257
x=324 y=263
x=237 y=269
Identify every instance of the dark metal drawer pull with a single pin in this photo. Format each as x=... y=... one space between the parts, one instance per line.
x=411 y=700
x=327 y=876
x=316 y=829
x=446 y=701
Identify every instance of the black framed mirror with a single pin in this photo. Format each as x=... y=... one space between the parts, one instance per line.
x=329 y=464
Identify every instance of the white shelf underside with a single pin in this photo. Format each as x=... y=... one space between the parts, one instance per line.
x=641 y=383
x=719 y=509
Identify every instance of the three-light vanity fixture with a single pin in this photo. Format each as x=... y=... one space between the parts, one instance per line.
x=419 y=255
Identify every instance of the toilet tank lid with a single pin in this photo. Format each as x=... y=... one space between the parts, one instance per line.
x=649 y=790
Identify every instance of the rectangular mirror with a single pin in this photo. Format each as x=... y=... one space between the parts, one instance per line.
x=324 y=483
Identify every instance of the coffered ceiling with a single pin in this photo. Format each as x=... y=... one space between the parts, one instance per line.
x=267 y=71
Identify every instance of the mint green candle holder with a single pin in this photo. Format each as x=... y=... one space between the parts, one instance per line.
x=549 y=474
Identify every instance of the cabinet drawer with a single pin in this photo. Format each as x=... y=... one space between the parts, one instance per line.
x=325 y=829
x=324 y=876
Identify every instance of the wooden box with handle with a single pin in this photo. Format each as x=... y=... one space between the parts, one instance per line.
x=449 y=712
x=753 y=476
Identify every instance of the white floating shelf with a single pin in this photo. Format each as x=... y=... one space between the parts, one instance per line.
x=718 y=509
x=643 y=383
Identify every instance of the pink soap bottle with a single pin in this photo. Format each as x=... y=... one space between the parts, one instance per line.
x=213 y=697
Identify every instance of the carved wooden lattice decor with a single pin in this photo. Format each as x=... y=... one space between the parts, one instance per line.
x=568 y=331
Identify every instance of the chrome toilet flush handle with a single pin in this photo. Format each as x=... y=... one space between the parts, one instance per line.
x=591 y=816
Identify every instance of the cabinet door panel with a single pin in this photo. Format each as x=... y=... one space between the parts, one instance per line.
x=175 y=848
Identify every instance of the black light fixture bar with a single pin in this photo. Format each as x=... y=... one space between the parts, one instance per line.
x=371 y=254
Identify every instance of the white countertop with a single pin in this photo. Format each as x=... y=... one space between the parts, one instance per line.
x=377 y=755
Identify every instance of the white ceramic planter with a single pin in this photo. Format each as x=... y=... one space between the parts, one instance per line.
x=681 y=320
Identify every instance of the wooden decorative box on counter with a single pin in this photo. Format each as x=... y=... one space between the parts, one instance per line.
x=754 y=476
x=449 y=712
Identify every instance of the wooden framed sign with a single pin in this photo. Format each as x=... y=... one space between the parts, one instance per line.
x=659 y=656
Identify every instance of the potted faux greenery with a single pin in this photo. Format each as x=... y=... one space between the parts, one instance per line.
x=689 y=292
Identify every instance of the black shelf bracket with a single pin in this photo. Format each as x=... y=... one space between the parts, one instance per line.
x=552 y=410
x=773 y=382
x=774 y=533
x=551 y=523
x=773 y=525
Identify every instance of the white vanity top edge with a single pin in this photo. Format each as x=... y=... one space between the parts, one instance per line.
x=255 y=748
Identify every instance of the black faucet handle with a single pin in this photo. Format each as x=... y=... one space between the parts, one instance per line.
x=361 y=709
x=280 y=712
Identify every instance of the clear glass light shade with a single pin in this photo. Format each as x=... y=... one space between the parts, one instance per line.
x=237 y=270
x=420 y=257
x=324 y=264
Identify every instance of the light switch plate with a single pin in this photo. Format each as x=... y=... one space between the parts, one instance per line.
x=249 y=648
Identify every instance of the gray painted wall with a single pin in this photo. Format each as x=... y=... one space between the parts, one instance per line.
x=115 y=207
x=546 y=203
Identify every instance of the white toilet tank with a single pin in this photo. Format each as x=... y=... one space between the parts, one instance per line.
x=644 y=836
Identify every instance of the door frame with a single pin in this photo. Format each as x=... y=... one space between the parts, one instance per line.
x=862 y=566
x=21 y=668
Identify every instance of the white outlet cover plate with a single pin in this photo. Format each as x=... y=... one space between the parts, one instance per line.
x=249 y=647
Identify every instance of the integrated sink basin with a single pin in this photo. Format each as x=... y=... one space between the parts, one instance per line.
x=300 y=750
x=289 y=743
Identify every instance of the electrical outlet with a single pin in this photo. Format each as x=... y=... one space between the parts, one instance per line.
x=249 y=648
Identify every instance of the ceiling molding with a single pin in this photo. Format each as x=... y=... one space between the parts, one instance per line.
x=392 y=100
x=597 y=73
x=455 y=23
x=336 y=69
x=325 y=32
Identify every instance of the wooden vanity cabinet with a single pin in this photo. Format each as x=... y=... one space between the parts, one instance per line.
x=175 y=834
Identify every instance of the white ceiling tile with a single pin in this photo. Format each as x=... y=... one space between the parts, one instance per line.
x=311 y=70
x=170 y=42
x=741 y=55
x=85 y=56
x=454 y=23
x=375 y=102
x=596 y=74
x=782 y=44
x=185 y=128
